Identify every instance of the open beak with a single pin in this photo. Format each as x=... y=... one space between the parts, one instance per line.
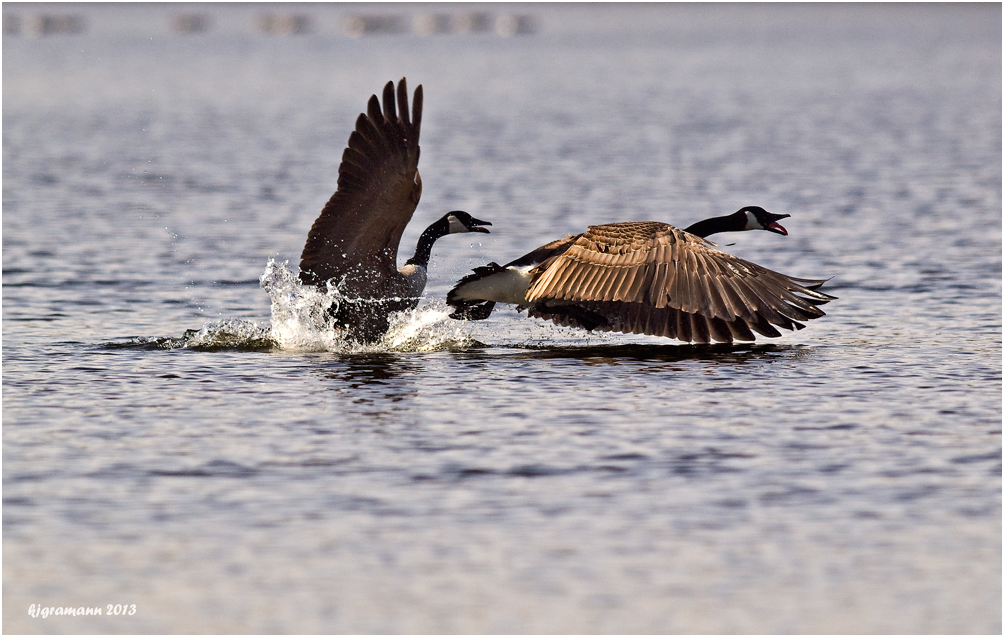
x=775 y=227
x=477 y=228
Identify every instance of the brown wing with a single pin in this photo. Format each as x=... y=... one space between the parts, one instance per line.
x=545 y=253
x=652 y=278
x=358 y=231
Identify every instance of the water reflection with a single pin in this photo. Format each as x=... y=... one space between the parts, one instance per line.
x=365 y=369
x=669 y=353
x=379 y=386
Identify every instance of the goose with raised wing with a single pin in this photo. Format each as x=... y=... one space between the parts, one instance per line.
x=649 y=278
x=353 y=244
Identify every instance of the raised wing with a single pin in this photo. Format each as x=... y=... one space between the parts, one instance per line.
x=358 y=231
x=652 y=278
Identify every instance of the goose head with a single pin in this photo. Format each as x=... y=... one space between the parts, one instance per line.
x=457 y=221
x=756 y=218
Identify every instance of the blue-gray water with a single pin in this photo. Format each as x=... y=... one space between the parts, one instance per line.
x=508 y=475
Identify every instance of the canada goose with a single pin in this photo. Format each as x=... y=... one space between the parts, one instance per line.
x=649 y=278
x=354 y=242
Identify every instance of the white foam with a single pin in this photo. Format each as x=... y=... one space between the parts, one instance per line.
x=425 y=329
x=300 y=320
x=226 y=334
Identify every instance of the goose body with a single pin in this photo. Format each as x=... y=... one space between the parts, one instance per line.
x=648 y=278
x=353 y=244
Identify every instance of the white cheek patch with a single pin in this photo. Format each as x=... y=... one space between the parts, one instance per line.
x=455 y=225
x=752 y=223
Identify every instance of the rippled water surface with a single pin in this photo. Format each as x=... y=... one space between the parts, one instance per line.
x=174 y=440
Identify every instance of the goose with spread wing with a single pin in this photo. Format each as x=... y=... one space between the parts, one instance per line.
x=649 y=278
x=353 y=244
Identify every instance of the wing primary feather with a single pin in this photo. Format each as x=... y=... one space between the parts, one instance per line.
x=356 y=153
x=631 y=318
x=646 y=320
x=670 y=325
x=761 y=325
x=690 y=273
x=717 y=305
x=677 y=291
x=699 y=328
x=740 y=330
x=737 y=303
x=389 y=112
x=657 y=289
x=374 y=113
x=790 y=293
x=403 y=104
x=718 y=330
x=813 y=284
x=656 y=320
x=659 y=321
x=417 y=109
x=683 y=326
x=761 y=303
x=708 y=307
x=359 y=148
x=780 y=301
x=369 y=132
x=699 y=287
x=781 y=288
x=749 y=297
x=672 y=273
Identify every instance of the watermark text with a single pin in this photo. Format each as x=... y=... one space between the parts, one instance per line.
x=38 y=611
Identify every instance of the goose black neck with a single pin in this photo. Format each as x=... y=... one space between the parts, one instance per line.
x=713 y=225
x=426 y=240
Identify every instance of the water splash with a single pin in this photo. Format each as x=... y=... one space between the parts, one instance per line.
x=300 y=320
x=425 y=329
x=229 y=334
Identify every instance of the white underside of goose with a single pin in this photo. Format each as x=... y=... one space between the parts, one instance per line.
x=507 y=286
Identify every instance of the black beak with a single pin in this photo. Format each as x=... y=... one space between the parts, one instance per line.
x=774 y=226
x=476 y=227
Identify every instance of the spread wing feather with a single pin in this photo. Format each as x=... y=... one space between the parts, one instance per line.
x=378 y=189
x=652 y=278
